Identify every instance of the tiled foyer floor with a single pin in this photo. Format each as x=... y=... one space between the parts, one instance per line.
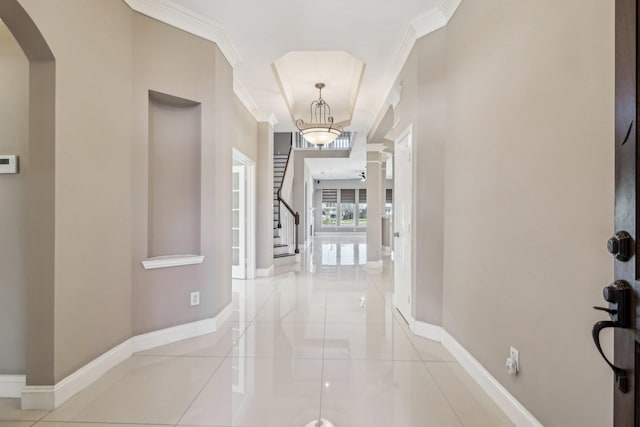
x=321 y=342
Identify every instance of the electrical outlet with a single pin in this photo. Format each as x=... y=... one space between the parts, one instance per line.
x=513 y=361
x=195 y=298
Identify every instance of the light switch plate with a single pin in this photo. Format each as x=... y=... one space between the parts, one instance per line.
x=8 y=163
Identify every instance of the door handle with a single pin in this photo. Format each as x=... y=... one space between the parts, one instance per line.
x=618 y=294
x=396 y=234
x=620 y=374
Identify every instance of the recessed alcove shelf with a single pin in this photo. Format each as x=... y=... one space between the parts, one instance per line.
x=172 y=261
x=174 y=213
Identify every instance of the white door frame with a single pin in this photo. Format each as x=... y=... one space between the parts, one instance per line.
x=405 y=307
x=250 y=210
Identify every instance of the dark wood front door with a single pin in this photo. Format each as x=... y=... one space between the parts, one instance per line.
x=622 y=293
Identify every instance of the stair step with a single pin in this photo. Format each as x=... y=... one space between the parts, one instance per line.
x=283 y=255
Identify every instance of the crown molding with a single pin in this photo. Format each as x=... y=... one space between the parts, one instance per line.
x=425 y=24
x=449 y=8
x=184 y=19
x=273 y=120
x=251 y=106
x=244 y=97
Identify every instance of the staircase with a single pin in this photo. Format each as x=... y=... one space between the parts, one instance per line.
x=281 y=250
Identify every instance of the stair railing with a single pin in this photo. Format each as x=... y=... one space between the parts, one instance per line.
x=290 y=228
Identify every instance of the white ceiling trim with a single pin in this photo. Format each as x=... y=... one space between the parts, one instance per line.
x=244 y=97
x=184 y=19
x=431 y=21
x=177 y=16
x=273 y=120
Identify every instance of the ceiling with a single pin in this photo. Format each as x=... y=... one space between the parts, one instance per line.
x=364 y=42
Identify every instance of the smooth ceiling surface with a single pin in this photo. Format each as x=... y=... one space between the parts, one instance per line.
x=263 y=31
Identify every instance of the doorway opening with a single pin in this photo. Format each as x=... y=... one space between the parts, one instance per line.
x=32 y=194
x=243 y=217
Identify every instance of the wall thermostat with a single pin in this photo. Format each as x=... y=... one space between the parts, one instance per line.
x=8 y=163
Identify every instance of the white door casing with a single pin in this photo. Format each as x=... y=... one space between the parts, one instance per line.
x=240 y=159
x=403 y=218
x=239 y=224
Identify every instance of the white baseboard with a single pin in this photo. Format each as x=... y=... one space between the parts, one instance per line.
x=517 y=413
x=264 y=272
x=512 y=408
x=51 y=397
x=12 y=385
x=181 y=332
x=426 y=330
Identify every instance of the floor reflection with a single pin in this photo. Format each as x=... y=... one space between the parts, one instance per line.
x=323 y=341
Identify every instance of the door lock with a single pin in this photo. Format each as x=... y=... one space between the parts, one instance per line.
x=620 y=246
x=618 y=295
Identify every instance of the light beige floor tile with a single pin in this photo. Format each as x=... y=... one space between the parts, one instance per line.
x=16 y=423
x=383 y=394
x=244 y=311
x=355 y=312
x=74 y=424
x=293 y=309
x=10 y=411
x=431 y=351
x=469 y=401
x=216 y=344
x=252 y=290
x=371 y=341
x=274 y=339
x=259 y=392
x=150 y=390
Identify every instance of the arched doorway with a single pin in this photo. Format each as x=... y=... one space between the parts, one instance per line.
x=39 y=194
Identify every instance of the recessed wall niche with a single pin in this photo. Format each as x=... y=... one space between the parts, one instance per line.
x=174 y=175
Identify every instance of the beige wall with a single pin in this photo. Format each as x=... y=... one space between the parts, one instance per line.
x=513 y=124
x=14 y=134
x=529 y=197
x=245 y=131
x=264 y=187
x=107 y=59
x=92 y=45
x=173 y=62
x=422 y=108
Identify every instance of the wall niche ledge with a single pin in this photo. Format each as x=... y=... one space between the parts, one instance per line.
x=171 y=261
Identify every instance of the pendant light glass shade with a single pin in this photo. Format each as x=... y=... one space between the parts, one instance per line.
x=320 y=130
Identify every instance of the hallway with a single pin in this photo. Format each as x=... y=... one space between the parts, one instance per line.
x=319 y=342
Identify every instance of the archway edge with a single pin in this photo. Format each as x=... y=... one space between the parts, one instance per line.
x=40 y=197
x=25 y=31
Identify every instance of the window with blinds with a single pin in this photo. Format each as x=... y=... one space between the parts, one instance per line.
x=348 y=196
x=329 y=207
x=344 y=207
x=347 y=206
x=329 y=195
x=362 y=207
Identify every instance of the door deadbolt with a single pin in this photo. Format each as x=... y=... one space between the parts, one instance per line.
x=620 y=245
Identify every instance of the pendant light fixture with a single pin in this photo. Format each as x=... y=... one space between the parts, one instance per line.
x=320 y=130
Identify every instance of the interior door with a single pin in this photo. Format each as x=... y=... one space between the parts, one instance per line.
x=239 y=223
x=403 y=208
x=622 y=293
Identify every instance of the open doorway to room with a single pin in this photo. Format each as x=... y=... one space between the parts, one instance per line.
x=243 y=217
x=27 y=185
x=14 y=141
